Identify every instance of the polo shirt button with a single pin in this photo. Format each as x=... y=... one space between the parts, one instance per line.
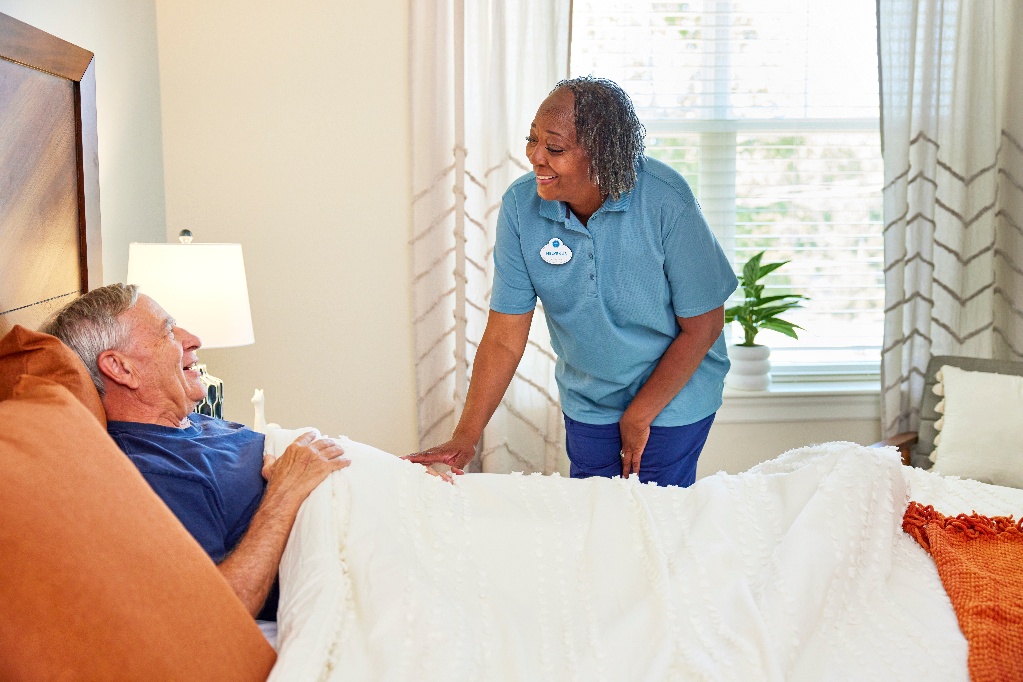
x=591 y=256
x=593 y=277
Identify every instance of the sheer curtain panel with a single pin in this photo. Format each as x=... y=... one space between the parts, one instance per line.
x=478 y=70
x=952 y=134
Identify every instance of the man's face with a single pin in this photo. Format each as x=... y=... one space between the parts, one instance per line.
x=163 y=358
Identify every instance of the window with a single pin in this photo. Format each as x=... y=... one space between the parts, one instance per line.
x=770 y=111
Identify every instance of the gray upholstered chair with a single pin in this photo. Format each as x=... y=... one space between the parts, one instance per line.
x=916 y=446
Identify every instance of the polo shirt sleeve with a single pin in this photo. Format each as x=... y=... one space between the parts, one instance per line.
x=698 y=271
x=191 y=502
x=513 y=291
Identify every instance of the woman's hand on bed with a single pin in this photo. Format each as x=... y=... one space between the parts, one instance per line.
x=429 y=458
x=455 y=453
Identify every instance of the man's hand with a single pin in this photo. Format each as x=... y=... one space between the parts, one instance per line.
x=302 y=467
x=456 y=453
x=252 y=565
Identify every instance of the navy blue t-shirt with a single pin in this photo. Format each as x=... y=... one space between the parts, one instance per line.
x=209 y=474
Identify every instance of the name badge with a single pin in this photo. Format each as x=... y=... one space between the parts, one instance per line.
x=556 y=252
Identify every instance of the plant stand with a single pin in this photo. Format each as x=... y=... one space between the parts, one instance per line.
x=751 y=368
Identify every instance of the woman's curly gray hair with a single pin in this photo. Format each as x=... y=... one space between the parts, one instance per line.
x=607 y=127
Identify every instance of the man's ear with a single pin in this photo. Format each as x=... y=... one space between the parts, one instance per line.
x=116 y=367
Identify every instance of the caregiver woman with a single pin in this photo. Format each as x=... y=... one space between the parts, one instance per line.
x=633 y=284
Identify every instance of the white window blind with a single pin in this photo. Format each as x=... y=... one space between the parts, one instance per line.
x=770 y=111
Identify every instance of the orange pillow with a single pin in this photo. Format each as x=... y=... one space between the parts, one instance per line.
x=23 y=351
x=100 y=580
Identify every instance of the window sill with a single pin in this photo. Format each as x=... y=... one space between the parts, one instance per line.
x=798 y=401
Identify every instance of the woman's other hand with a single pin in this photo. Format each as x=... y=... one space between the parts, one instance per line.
x=635 y=434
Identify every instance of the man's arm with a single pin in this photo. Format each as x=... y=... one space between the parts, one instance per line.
x=251 y=568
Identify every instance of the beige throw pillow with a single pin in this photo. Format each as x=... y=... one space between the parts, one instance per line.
x=980 y=432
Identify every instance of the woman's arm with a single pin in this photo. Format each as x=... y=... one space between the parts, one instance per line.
x=504 y=341
x=673 y=371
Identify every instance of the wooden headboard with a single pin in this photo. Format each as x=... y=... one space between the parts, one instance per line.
x=50 y=249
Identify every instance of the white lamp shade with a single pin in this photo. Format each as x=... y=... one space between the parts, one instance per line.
x=202 y=286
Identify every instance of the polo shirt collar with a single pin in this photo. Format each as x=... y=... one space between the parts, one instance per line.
x=558 y=210
x=621 y=205
x=553 y=210
x=623 y=201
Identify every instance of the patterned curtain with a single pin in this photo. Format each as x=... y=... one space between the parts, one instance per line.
x=478 y=71
x=952 y=126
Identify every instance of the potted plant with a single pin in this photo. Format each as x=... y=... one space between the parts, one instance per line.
x=751 y=363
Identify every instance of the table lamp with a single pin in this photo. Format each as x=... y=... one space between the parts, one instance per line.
x=203 y=287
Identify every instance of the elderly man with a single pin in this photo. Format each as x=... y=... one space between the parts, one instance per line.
x=209 y=472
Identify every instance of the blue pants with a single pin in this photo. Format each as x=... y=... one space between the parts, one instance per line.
x=669 y=458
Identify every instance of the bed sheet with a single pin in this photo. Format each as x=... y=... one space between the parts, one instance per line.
x=795 y=570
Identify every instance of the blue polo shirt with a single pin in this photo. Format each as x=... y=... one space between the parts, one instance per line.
x=611 y=306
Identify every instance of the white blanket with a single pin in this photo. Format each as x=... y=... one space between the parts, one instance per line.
x=795 y=570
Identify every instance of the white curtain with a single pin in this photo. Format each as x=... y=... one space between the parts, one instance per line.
x=478 y=71
x=952 y=134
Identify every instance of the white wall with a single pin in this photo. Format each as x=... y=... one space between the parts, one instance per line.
x=286 y=128
x=735 y=447
x=122 y=35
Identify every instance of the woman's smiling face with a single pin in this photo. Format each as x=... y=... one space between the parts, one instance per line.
x=561 y=165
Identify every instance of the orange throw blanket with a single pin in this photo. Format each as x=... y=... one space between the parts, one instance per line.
x=980 y=561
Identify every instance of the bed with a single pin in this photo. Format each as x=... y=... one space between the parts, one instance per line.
x=50 y=245
x=796 y=569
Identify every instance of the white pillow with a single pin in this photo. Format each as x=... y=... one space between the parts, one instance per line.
x=980 y=433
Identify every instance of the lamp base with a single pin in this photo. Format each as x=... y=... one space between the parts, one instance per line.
x=213 y=404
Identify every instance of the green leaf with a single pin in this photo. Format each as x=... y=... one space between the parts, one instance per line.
x=782 y=327
x=779 y=297
x=770 y=267
x=734 y=313
x=768 y=312
x=751 y=271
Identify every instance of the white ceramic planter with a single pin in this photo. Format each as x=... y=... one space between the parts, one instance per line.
x=751 y=368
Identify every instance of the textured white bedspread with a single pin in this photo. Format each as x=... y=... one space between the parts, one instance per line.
x=795 y=570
